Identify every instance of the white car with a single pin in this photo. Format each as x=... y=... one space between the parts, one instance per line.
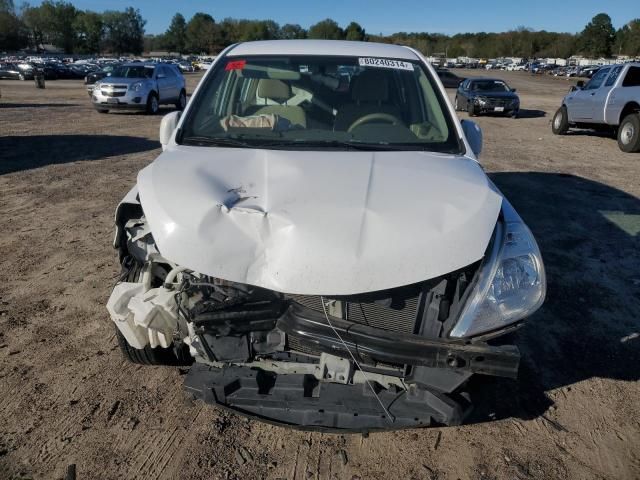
x=324 y=247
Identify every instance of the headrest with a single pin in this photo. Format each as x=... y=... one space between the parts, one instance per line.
x=370 y=86
x=274 y=89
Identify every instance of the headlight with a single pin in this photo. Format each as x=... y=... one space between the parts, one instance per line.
x=136 y=87
x=480 y=100
x=511 y=286
x=97 y=85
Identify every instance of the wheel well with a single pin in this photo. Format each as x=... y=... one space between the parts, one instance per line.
x=628 y=108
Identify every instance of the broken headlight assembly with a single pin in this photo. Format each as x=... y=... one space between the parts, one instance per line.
x=511 y=284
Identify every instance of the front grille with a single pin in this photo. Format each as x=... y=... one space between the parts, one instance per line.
x=113 y=94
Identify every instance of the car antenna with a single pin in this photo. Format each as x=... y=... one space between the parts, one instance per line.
x=389 y=417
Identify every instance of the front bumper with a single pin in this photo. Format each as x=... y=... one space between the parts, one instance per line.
x=129 y=101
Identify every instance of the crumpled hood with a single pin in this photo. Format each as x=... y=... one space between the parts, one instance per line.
x=322 y=223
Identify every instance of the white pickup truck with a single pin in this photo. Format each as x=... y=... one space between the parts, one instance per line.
x=609 y=101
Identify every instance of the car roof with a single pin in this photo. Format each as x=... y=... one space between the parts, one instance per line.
x=323 y=47
x=491 y=79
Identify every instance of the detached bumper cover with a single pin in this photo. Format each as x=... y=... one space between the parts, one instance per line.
x=311 y=327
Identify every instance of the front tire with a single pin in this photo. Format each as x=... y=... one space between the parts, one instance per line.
x=153 y=104
x=629 y=133
x=471 y=108
x=455 y=104
x=182 y=101
x=102 y=110
x=560 y=122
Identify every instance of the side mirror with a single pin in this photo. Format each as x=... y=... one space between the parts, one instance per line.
x=514 y=90
x=580 y=84
x=473 y=132
x=167 y=126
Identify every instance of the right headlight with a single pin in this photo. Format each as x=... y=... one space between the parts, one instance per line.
x=511 y=285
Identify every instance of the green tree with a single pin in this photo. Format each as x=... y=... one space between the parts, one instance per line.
x=124 y=31
x=354 y=32
x=598 y=36
x=292 y=31
x=89 y=32
x=326 y=29
x=628 y=39
x=175 y=38
x=7 y=6
x=13 y=33
x=202 y=34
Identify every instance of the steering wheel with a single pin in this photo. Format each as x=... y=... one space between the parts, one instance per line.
x=372 y=117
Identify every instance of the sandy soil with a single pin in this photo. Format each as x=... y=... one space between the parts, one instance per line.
x=68 y=397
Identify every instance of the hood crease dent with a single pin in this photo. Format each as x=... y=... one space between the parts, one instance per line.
x=321 y=223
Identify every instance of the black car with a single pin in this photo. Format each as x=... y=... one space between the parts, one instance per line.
x=487 y=95
x=449 y=79
x=11 y=71
x=93 y=77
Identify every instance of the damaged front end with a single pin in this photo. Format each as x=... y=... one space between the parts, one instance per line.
x=393 y=358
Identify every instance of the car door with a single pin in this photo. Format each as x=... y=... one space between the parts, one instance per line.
x=174 y=81
x=579 y=103
x=164 y=87
x=601 y=98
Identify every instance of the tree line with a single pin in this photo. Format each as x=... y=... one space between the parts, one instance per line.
x=83 y=31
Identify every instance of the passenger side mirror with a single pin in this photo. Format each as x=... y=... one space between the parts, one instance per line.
x=167 y=126
x=580 y=84
x=514 y=90
x=473 y=132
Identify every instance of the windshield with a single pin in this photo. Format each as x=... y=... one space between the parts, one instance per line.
x=132 y=72
x=489 y=86
x=320 y=102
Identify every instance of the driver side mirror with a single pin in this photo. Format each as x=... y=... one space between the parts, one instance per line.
x=580 y=84
x=167 y=126
x=473 y=132
x=514 y=90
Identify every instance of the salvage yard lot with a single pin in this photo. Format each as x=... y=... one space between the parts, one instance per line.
x=68 y=397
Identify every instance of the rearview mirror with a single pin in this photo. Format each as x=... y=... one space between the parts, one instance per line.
x=167 y=126
x=473 y=133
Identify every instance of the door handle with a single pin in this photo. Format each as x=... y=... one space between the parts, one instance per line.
x=593 y=94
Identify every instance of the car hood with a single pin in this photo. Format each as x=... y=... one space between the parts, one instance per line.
x=318 y=222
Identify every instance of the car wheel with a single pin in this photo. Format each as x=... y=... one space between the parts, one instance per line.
x=560 y=122
x=182 y=100
x=102 y=110
x=629 y=133
x=515 y=113
x=153 y=105
x=456 y=105
x=471 y=108
x=169 y=356
x=21 y=77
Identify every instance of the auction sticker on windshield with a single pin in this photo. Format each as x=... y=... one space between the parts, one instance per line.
x=385 y=63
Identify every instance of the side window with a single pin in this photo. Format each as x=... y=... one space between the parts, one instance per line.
x=632 y=79
x=615 y=73
x=597 y=79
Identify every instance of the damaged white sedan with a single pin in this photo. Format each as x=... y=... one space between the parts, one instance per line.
x=319 y=242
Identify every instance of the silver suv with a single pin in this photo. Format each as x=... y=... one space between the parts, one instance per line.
x=140 y=86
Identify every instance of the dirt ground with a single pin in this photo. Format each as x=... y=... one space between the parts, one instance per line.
x=68 y=397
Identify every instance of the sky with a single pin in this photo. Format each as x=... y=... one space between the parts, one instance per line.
x=382 y=16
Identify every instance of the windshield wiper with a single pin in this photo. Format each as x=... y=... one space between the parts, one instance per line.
x=215 y=142
x=333 y=144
